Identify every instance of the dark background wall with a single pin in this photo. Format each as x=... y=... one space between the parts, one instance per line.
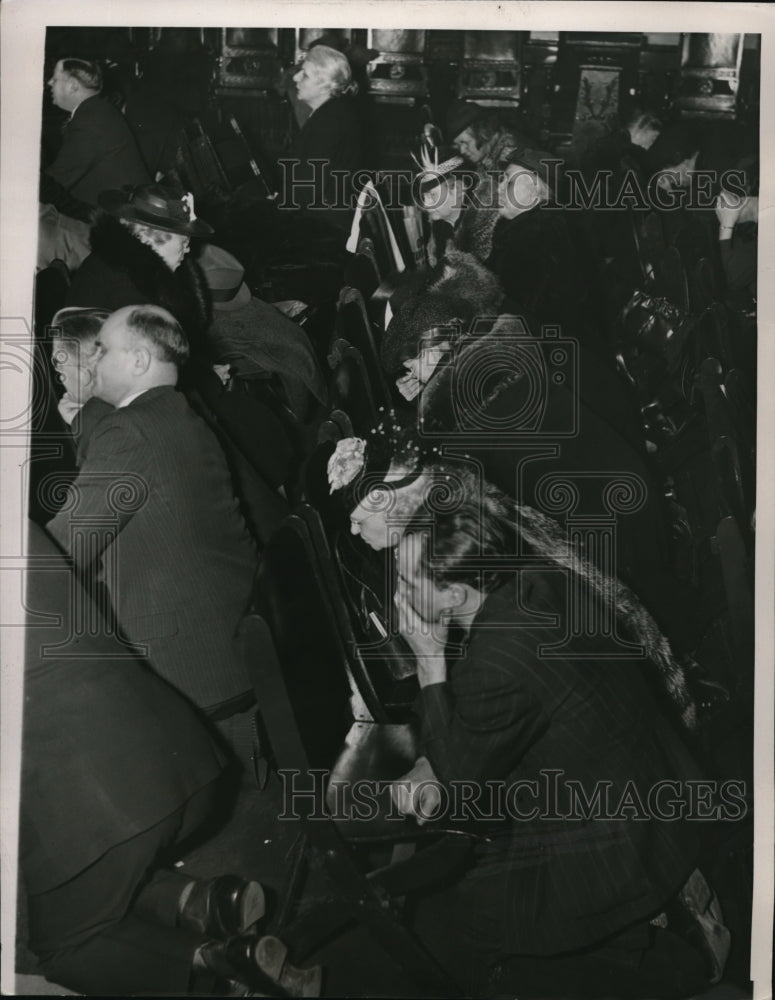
x=563 y=89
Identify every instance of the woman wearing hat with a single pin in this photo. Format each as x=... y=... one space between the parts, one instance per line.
x=457 y=217
x=139 y=255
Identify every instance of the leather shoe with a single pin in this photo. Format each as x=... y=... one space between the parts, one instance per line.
x=222 y=907
x=261 y=965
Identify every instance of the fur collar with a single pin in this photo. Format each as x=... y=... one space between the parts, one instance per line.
x=183 y=292
x=462 y=275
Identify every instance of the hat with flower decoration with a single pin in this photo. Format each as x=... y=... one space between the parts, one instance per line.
x=156 y=206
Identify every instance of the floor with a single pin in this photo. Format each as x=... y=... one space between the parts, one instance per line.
x=255 y=843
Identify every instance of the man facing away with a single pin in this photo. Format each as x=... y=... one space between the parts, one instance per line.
x=154 y=502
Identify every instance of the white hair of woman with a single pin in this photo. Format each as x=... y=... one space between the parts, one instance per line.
x=325 y=73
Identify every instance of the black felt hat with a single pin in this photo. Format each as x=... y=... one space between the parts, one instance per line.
x=537 y=161
x=460 y=116
x=156 y=206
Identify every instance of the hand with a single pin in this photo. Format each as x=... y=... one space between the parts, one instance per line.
x=417 y=792
x=427 y=640
x=641 y=133
x=68 y=407
x=728 y=209
x=409 y=386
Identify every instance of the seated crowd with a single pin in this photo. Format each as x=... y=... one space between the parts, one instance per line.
x=493 y=460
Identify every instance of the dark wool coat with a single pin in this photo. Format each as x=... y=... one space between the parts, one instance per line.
x=122 y=271
x=98 y=152
x=333 y=133
x=109 y=750
x=537 y=266
x=176 y=556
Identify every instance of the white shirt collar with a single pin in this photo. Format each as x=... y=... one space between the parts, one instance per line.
x=129 y=399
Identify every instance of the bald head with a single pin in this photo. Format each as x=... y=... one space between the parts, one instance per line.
x=142 y=347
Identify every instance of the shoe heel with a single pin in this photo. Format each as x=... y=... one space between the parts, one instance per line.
x=302 y=982
x=252 y=906
x=271 y=954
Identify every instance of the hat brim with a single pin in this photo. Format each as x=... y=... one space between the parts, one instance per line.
x=116 y=204
x=239 y=301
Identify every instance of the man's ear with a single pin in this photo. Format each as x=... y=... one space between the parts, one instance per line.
x=142 y=360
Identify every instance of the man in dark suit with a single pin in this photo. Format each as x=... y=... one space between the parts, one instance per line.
x=115 y=767
x=116 y=770
x=154 y=501
x=98 y=149
x=555 y=754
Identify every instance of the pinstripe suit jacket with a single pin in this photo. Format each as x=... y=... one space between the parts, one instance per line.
x=154 y=501
x=509 y=713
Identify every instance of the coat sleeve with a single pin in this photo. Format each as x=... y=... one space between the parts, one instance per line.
x=478 y=725
x=112 y=485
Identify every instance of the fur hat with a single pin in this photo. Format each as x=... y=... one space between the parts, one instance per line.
x=414 y=318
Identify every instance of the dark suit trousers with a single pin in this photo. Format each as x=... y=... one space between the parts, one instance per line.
x=466 y=934
x=111 y=929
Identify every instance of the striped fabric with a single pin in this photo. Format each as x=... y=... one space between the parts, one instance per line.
x=509 y=714
x=155 y=504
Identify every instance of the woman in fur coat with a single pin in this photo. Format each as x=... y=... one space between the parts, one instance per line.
x=139 y=253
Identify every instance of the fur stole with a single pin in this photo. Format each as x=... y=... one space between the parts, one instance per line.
x=183 y=292
x=463 y=276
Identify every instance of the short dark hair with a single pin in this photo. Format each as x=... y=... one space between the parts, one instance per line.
x=81 y=325
x=87 y=73
x=478 y=523
x=162 y=332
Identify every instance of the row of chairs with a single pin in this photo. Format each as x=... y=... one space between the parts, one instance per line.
x=335 y=696
x=327 y=718
x=691 y=358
